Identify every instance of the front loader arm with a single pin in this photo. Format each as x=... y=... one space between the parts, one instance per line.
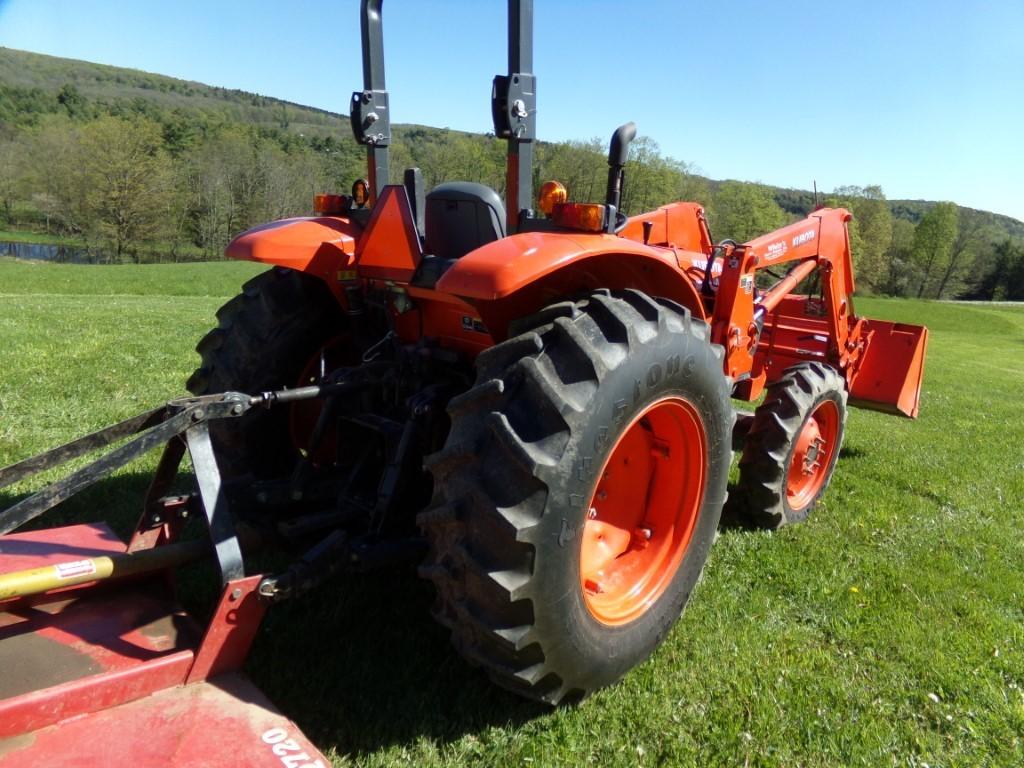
x=766 y=331
x=819 y=242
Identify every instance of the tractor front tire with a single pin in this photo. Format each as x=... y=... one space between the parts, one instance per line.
x=578 y=492
x=265 y=338
x=792 y=446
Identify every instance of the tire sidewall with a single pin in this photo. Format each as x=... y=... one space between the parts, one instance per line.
x=267 y=336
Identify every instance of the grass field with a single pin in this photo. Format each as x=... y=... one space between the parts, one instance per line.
x=20 y=236
x=888 y=630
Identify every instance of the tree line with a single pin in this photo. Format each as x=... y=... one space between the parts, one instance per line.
x=138 y=181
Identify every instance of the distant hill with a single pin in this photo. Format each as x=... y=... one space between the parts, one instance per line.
x=800 y=201
x=24 y=74
x=26 y=79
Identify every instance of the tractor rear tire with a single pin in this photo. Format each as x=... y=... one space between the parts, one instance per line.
x=264 y=339
x=792 y=446
x=578 y=492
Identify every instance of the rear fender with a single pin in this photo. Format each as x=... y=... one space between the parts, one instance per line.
x=322 y=246
x=518 y=275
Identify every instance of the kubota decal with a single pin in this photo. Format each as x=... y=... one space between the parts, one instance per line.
x=803 y=237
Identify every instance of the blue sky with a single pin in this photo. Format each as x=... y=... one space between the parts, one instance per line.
x=923 y=98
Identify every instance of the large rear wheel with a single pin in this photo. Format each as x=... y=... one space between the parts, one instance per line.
x=579 y=492
x=267 y=337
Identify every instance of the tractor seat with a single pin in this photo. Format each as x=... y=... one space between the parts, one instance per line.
x=460 y=217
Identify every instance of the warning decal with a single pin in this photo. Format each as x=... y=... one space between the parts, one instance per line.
x=75 y=569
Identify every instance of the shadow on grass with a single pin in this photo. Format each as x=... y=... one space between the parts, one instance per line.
x=733 y=518
x=851 y=452
x=359 y=664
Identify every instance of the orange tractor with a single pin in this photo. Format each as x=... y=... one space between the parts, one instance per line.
x=532 y=398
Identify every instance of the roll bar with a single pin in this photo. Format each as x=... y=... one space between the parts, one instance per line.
x=513 y=106
x=514 y=111
x=368 y=113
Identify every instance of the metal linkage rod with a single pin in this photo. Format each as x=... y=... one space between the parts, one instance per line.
x=150 y=429
x=52 y=495
x=83 y=445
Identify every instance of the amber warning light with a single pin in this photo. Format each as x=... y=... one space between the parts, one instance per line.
x=328 y=205
x=586 y=216
x=360 y=192
x=551 y=194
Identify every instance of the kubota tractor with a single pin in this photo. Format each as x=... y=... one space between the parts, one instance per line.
x=532 y=398
x=545 y=395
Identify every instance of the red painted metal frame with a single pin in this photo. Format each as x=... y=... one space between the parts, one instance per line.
x=46 y=707
x=225 y=722
x=231 y=631
x=102 y=647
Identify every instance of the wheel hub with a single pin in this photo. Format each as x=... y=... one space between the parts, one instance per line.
x=812 y=455
x=643 y=510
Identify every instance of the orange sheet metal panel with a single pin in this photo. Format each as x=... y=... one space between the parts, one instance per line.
x=680 y=225
x=390 y=247
x=320 y=246
x=505 y=266
x=890 y=372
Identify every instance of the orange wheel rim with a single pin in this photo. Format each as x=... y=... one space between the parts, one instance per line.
x=812 y=455
x=643 y=511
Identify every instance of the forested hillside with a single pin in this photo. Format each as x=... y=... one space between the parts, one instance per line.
x=137 y=166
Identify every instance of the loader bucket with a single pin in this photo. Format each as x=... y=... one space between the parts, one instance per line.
x=890 y=372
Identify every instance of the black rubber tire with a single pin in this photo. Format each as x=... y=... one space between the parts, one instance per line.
x=264 y=339
x=514 y=478
x=768 y=449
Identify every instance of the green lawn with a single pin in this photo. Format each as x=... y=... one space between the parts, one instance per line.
x=888 y=630
x=22 y=236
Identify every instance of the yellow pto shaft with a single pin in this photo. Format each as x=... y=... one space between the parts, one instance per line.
x=35 y=581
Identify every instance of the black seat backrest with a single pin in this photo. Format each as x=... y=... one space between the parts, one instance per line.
x=460 y=217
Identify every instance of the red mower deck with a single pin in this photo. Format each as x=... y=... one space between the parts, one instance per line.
x=97 y=675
